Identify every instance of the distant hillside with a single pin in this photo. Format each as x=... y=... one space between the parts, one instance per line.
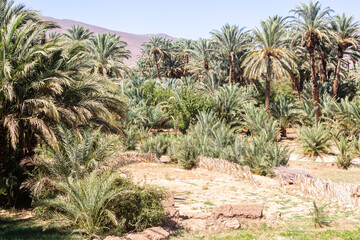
x=134 y=41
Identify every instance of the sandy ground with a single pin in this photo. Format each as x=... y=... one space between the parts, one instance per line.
x=201 y=190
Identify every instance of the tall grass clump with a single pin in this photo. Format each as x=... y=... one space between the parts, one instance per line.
x=157 y=144
x=262 y=155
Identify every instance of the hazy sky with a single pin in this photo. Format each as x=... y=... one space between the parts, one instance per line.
x=181 y=18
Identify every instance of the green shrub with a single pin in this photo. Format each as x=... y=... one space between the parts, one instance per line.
x=103 y=203
x=258 y=122
x=157 y=144
x=233 y=152
x=314 y=141
x=186 y=105
x=75 y=155
x=283 y=109
x=344 y=158
x=132 y=137
x=156 y=95
x=188 y=152
x=262 y=155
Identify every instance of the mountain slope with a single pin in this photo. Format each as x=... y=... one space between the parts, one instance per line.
x=134 y=41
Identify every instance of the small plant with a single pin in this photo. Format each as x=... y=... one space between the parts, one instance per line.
x=318 y=215
x=284 y=111
x=209 y=203
x=157 y=144
x=314 y=141
x=344 y=157
x=205 y=187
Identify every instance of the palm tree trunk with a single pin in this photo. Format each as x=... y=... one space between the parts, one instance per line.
x=283 y=132
x=337 y=74
x=267 y=87
x=231 y=68
x=323 y=66
x=297 y=86
x=157 y=67
x=315 y=87
x=3 y=146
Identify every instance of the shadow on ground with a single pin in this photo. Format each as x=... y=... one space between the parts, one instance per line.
x=18 y=229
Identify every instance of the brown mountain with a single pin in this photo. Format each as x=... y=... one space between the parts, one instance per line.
x=134 y=41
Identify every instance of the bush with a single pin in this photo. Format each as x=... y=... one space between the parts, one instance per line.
x=284 y=111
x=132 y=137
x=258 y=122
x=344 y=158
x=74 y=156
x=103 y=203
x=188 y=152
x=156 y=144
x=262 y=155
x=314 y=141
x=186 y=105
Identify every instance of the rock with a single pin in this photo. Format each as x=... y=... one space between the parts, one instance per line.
x=169 y=222
x=193 y=224
x=232 y=223
x=172 y=212
x=113 y=238
x=274 y=217
x=136 y=236
x=251 y=211
x=195 y=215
x=156 y=233
x=165 y=159
x=169 y=200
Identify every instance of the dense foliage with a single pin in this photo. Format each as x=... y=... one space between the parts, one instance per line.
x=69 y=104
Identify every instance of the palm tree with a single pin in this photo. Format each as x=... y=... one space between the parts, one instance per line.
x=266 y=59
x=107 y=53
x=312 y=29
x=155 y=48
x=78 y=33
x=346 y=36
x=230 y=40
x=202 y=54
x=184 y=46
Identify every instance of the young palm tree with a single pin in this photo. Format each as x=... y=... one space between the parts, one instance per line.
x=266 y=58
x=312 y=29
x=346 y=36
x=155 y=48
x=107 y=53
x=230 y=40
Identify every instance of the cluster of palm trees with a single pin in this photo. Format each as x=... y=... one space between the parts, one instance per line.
x=310 y=45
x=46 y=80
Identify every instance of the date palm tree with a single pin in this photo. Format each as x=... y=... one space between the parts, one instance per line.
x=312 y=28
x=107 y=53
x=229 y=41
x=155 y=48
x=78 y=33
x=202 y=53
x=266 y=59
x=345 y=33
